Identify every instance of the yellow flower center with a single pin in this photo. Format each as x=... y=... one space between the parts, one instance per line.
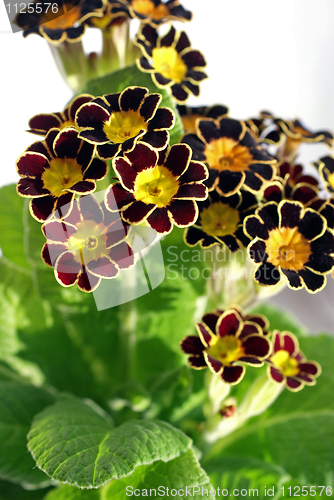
x=169 y=64
x=57 y=20
x=62 y=175
x=331 y=180
x=148 y=8
x=227 y=154
x=225 y=349
x=123 y=125
x=89 y=242
x=219 y=219
x=286 y=363
x=156 y=185
x=287 y=247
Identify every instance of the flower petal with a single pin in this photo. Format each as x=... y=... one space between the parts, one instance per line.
x=184 y=212
x=233 y=374
x=123 y=255
x=228 y=323
x=31 y=164
x=87 y=282
x=160 y=221
x=67 y=269
x=117 y=197
x=103 y=268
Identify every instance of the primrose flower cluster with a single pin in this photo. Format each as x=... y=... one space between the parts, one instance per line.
x=231 y=184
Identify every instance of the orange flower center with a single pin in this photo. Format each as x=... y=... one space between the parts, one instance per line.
x=65 y=17
x=227 y=154
x=288 y=248
x=219 y=219
x=148 y=8
x=62 y=175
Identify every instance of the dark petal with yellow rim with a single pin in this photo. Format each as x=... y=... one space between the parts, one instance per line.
x=194 y=58
x=57 y=231
x=41 y=208
x=131 y=98
x=269 y=215
x=290 y=214
x=137 y=212
x=320 y=263
x=102 y=268
x=97 y=170
x=149 y=107
x=178 y=159
x=90 y=209
x=197 y=362
x=293 y=384
x=41 y=123
x=83 y=187
x=91 y=115
x=294 y=280
x=192 y=345
x=256 y=345
x=311 y=225
x=228 y=324
x=194 y=191
x=87 y=282
x=255 y=228
x=117 y=197
x=195 y=172
x=230 y=128
x=31 y=164
x=160 y=221
x=276 y=375
x=253 y=182
x=267 y=274
x=163 y=119
x=108 y=151
x=230 y=182
x=31 y=187
x=142 y=157
x=67 y=269
x=183 y=212
x=51 y=251
x=257 y=251
x=313 y=282
x=232 y=374
x=183 y=42
x=208 y=130
x=126 y=172
x=157 y=139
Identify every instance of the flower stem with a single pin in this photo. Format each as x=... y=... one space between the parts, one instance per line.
x=71 y=62
x=128 y=323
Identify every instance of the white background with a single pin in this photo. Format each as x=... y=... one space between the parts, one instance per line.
x=261 y=54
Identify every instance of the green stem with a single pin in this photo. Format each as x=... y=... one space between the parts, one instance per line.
x=128 y=324
x=72 y=63
x=109 y=60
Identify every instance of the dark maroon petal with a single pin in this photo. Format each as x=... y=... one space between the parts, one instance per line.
x=179 y=93
x=288 y=344
x=183 y=41
x=210 y=319
x=74 y=215
x=193 y=58
x=83 y=187
x=67 y=269
x=214 y=364
x=64 y=205
x=311 y=225
x=169 y=38
x=257 y=346
x=50 y=138
x=85 y=155
x=90 y=209
x=123 y=255
x=51 y=252
x=230 y=182
x=230 y=128
x=196 y=76
x=278 y=342
x=192 y=345
x=95 y=136
x=149 y=106
x=58 y=231
x=161 y=81
x=117 y=197
x=163 y=119
x=293 y=384
x=276 y=375
x=31 y=187
x=195 y=172
x=178 y=159
x=42 y=208
x=67 y=144
x=144 y=64
x=102 y=268
x=184 y=212
x=208 y=130
x=197 y=362
x=158 y=139
x=255 y=228
x=126 y=173
x=160 y=221
x=92 y=115
x=228 y=324
x=87 y=282
x=264 y=171
x=131 y=98
x=233 y=374
x=137 y=212
x=248 y=329
x=77 y=102
x=204 y=334
x=108 y=151
x=142 y=156
x=31 y=164
x=305 y=378
x=97 y=170
x=293 y=278
x=290 y=213
x=129 y=144
x=257 y=251
x=252 y=181
x=309 y=367
x=267 y=274
x=40 y=147
x=268 y=213
x=44 y=122
x=193 y=235
x=112 y=100
x=192 y=192
x=313 y=282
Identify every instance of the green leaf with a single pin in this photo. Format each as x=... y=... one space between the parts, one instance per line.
x=18 y=405
x=9 y=491
x=245 y=473
x=297 y=431
x=74 y=443
x=280 y=320
x=148 y=480
x=118 y=81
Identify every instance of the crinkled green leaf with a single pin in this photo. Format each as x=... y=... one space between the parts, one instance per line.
x=118 y=81
x=297 y=431
x=159 y=479
x=19 y=403
x=75 y=444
